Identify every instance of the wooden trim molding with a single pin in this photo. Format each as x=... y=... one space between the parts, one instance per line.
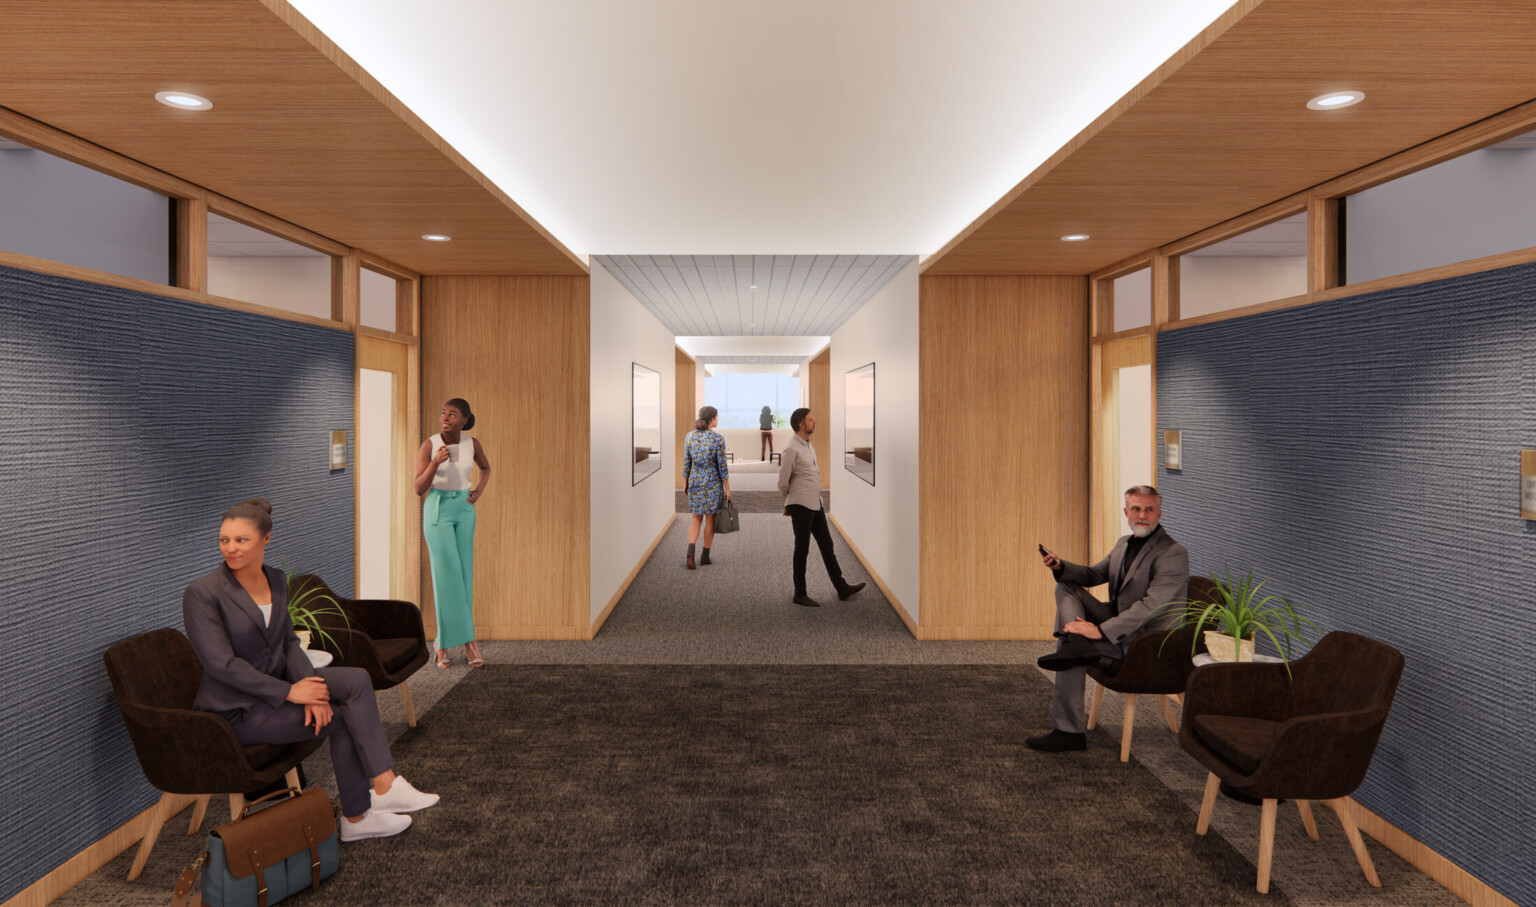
x=1457 y=269
x=56 y=142
x=879 y=581
x=265 y=222
x=1458 y=881
x=74 y=272
x=192 y=243
x=1322 y=244
x=1488 y=131
x=602 y=618
x=99 y=854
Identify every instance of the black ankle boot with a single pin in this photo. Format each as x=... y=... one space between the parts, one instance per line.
x=705 y=559
x=690 y=557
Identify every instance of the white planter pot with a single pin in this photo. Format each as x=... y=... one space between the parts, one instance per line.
x=304 y=638
x=1224 y=648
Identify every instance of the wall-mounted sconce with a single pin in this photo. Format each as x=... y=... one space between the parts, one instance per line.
x=339 y=449
x=1173 y=451
x=1528 y=484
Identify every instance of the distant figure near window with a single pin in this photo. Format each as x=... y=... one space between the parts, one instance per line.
x=765 y=422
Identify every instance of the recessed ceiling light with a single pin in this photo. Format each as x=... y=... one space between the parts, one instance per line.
x=183 y=100
x=1074 y=237
x=1334 y=100
x=753 y=287
x=436 y=237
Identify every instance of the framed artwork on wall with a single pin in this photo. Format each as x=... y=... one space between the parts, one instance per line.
x=645 y=422
x=859 y=422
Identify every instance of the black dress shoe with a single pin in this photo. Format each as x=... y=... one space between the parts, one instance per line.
x=1075 y=652
x=807 y=601
x=848 y=592
x=1057 y=742
x=690 y=562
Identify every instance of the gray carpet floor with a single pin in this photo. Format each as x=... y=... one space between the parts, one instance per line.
x=737 y=612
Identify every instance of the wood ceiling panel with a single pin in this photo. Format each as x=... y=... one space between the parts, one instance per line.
x=297 y=130
x=1223 y=128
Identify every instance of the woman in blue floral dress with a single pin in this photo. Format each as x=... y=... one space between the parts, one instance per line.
x=706 y=477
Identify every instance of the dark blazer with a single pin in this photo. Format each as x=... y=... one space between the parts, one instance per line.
x=1158 y=576
x=244 y=660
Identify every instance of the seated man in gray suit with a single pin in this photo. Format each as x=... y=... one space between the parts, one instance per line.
x=1146 y=571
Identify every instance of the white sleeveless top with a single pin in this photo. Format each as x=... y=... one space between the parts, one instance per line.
x=454 y=474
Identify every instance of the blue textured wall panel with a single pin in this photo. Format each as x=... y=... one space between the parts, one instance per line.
x=128 y=423
x=1364 y=455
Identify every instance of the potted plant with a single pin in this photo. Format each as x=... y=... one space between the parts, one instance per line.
x=1237 y=612
x=305 y=608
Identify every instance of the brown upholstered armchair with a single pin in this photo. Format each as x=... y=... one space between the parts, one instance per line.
x=1309 y=735
x=184 y=751
x=381 y=636
x=1156 y=664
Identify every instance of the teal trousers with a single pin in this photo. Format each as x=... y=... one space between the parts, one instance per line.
x=448 y=523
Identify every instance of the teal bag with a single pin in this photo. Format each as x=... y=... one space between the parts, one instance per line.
x=265 y=856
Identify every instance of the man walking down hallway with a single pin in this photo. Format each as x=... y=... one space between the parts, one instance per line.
x=800 y=484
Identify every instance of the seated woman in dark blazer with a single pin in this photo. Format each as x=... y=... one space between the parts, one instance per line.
x=257 y=677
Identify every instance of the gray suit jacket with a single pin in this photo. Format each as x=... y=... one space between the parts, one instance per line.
x=244 y=661
x=1158 y=576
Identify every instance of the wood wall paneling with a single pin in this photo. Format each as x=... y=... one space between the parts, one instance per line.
x=192 y=243
x=821 y=407
x=1137 y=179
x=353 y=164
x=518 y=349
x=1004 y=439
x=687 y=409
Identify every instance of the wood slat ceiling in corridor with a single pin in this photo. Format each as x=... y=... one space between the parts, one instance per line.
x=297 y=130
x=1222 y=128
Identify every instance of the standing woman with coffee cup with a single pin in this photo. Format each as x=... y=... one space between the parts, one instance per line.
x=443 y=469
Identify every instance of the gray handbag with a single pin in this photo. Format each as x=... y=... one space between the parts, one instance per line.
x=727 y=519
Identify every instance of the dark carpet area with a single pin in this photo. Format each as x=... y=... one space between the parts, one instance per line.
x=752 y=784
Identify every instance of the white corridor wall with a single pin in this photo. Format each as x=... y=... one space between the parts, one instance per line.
x=625 y=518
x=882 y=519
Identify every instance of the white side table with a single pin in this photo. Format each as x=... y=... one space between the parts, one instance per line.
x=1204 y=658
x=318 y=657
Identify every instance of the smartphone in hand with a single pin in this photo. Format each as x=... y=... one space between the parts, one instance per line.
x=1043 y=552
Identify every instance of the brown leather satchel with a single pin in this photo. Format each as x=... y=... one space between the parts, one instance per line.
x=260 y=857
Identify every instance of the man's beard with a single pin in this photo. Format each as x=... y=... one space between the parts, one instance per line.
x=1142 y=530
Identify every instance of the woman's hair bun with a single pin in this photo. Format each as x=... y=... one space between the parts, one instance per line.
x=263 y=503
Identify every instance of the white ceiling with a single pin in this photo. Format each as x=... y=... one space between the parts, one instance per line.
x=752 y=354
x=752 y=295
x=726 y=127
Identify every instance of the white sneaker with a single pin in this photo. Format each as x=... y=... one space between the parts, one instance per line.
x=374 y=824
x=402 y=798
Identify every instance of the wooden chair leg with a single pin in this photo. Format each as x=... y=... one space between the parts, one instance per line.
x=236 y=804
x=1127 y=726
x=1212 y=783
x=293 y=778
x=198 y=813
x=405 y=700
x=1093 y=710
x=1266 y=842
x=1167 y=702
x=157 y=818
x=1305 y=809
x=1345 y=809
